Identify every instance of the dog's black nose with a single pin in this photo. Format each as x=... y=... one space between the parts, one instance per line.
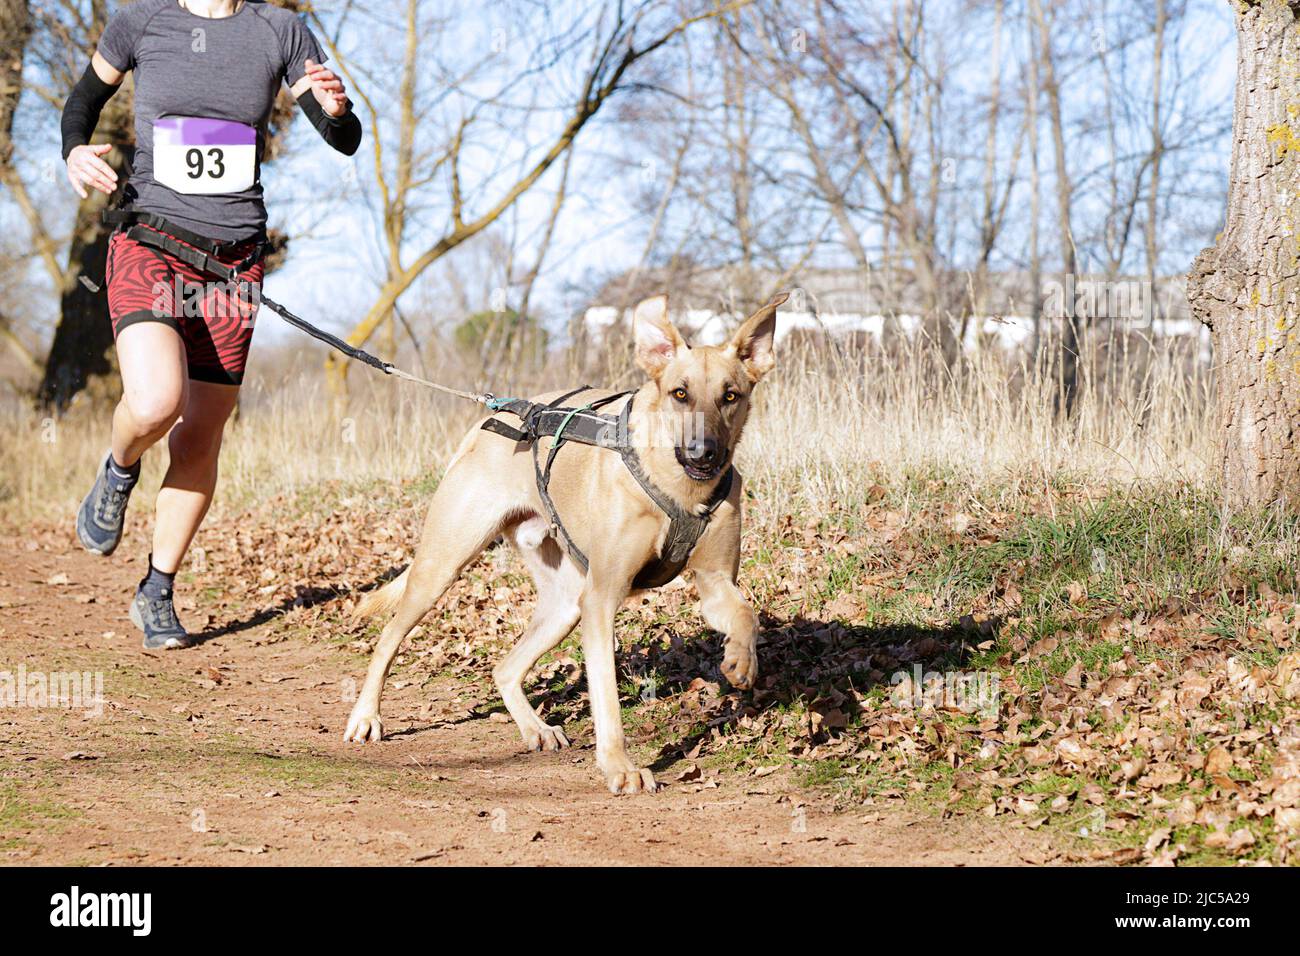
x=702 y=451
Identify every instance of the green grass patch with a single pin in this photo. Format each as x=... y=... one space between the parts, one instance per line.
x=21 y=810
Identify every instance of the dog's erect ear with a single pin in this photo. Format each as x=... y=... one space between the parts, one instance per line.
x=752 y=343
x=657 y=339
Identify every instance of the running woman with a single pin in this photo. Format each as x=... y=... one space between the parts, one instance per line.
x=206 y=76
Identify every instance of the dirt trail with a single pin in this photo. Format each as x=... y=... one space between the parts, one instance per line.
x=231 y=753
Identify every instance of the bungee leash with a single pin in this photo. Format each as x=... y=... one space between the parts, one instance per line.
x=202 y=253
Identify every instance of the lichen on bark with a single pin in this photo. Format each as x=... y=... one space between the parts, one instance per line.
x=1246 y=287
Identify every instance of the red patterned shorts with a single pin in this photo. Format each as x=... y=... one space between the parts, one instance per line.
x=214 y=318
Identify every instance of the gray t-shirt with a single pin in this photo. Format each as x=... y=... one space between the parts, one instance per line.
x=206 y=87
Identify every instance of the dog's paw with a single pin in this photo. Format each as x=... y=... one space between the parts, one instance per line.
x=545 y=737
x=631 y=781
x=740 y=666
x=364 y=727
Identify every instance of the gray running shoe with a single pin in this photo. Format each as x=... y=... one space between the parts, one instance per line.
x=157 y=618
x=100 y=517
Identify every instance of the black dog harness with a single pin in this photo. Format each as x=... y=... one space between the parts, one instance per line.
x=588 y=426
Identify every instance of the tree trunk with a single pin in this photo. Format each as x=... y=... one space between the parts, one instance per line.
x=1157 y=154
x=82 y=350
x=988 y=213
x=1246 y=288
x=15 y=31
x=1035 y=199
x=1069 y=367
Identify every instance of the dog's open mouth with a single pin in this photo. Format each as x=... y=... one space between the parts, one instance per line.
x=699 y=472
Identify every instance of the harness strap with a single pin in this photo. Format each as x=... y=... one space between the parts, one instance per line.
x=584 y=425
x=204 y=262
x=126 y=216
x=683 y=534
x=685 y=527
x=212 y=248
x=544 y=475
x=501 y=428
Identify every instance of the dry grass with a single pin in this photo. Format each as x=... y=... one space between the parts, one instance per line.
x=832 y=421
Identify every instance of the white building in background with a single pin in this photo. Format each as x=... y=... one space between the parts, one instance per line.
x=829 y=305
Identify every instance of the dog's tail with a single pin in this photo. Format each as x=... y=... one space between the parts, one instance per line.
x=382 y=600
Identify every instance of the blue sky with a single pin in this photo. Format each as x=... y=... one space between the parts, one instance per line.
x=330 y=277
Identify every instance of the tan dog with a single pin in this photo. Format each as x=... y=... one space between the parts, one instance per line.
x=490 y=489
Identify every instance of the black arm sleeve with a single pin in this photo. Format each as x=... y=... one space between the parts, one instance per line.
x=81 y=111
x=341 y=132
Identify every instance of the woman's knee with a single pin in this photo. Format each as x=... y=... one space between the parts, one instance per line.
x=155 y=411
x=195 y=444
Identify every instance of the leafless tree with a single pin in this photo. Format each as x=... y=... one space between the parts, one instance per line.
x=616 y=38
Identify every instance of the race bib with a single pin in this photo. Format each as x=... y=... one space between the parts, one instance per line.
x=204 y=156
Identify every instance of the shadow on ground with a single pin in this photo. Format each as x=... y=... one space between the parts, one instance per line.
x=819 y=663
x=304 y=596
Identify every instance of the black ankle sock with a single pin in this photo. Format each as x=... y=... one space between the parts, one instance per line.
x=122 y=477
x=157 y=584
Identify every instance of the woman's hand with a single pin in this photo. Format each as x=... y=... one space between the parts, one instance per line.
x=85 y=168
x=327 y=88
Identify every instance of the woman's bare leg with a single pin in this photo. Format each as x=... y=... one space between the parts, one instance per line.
x=151 y=357
x=155 y=385
x=191 y=478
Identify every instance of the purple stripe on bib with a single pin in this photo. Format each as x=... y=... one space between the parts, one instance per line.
x=196 y=131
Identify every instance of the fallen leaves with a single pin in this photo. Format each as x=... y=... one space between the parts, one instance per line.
x=1232 y=842
x=1125 y=716
x=1218 y=762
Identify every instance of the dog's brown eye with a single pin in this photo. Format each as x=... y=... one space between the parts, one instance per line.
x=729 y=396
x=679 y=394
